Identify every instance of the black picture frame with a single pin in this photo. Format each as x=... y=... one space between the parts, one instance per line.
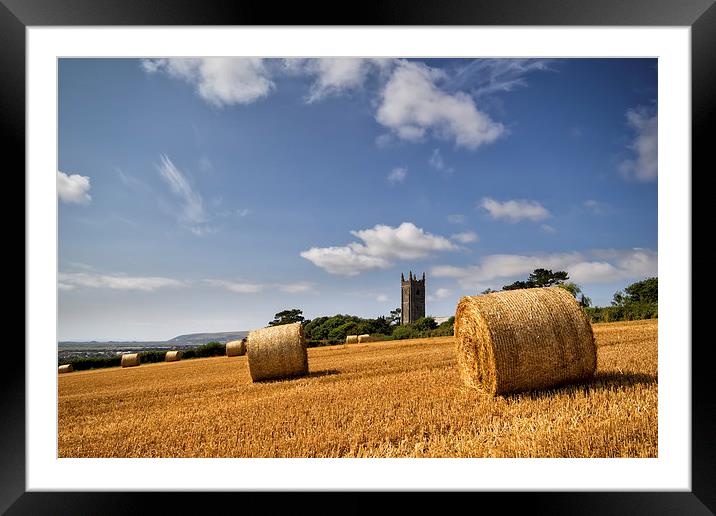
x=700 y=15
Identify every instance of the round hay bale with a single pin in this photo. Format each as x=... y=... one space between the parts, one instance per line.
x=173 y=356
x=236 y=348
x=130 y=360
x=277 y=352
x=351 y=339
x=365 y=338
x=67 y=368
x=519 y=340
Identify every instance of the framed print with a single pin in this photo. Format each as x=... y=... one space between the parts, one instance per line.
x=213 y=270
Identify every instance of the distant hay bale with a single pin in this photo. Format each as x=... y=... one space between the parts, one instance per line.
x=351 y=339
x=365 y=338
x=236 y=348
x=67 y=368
x=173 y=356
x=130 y=359
x=277 y=352
x=524 y=339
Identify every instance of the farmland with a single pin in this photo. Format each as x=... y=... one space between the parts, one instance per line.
x=384 y=399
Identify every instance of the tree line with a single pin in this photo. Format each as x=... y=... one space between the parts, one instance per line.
x=327 y=330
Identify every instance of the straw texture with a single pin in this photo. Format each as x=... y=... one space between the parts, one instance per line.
x=236 y=348
x=525 y=339
x=67 y=368
x=365 y=338
x=277 y=352
x=173 y=356
x=130 y=359
x=351 y=339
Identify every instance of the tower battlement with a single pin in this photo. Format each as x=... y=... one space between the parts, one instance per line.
x=412 y=298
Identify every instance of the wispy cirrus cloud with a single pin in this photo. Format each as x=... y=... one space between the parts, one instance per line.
x=74 y=280
x=438 y=163
x=235 y=286
x=240 y=287
x=380 y=245
x=643 y=165
x=73 y=188
x=489 y=76
x=191 y=205
x=515 y=210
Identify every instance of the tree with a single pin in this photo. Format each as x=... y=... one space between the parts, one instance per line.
x=487 y=291
x=425 y=324
x=540 y=278
x=287 y=317
x=394 y=316
x=646 y=291
x=576 y=291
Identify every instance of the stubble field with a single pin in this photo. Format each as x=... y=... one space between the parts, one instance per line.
x=391 y=399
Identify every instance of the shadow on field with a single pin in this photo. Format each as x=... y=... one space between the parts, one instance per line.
x=312 y=374
x=602 y=381
x=325 y=372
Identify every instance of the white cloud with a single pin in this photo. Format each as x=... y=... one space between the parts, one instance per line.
x=466 y=237
x=73 y=188
x=192 y=210
x=456 y=219
x=597 y=266
x=295 y=288
x=384 y=140
x=644 y=165
x=515 y=210
x=593 y=206
x=438 y=163
x=379 y=246
x=405 y=242
x=72 y=280
x=442 y=293
x=234 y=286
x=412 y=105
x=382 y=298
x=547 y=228
x=343 y=260
x=335 y=76
x=220 y=81
x=397 y=175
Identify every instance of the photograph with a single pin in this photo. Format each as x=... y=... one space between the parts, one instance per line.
x=357 y=257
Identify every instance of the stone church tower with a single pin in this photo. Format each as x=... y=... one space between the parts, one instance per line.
x=412 y=298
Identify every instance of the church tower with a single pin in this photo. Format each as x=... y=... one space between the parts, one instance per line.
x=412 y=298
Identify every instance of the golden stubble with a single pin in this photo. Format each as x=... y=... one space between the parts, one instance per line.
x=383 y=399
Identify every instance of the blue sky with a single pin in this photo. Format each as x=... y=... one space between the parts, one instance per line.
x=208 y=194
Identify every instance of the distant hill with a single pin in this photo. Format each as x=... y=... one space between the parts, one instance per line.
x=203 y=338
x=191 y=339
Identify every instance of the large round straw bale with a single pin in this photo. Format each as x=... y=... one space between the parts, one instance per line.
x=524 y=339
x=351 y=339
x=236 y=348
x=130 y=359
x=277 y=352
x=365 y=338
x=173 y=356
x=67 y=368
